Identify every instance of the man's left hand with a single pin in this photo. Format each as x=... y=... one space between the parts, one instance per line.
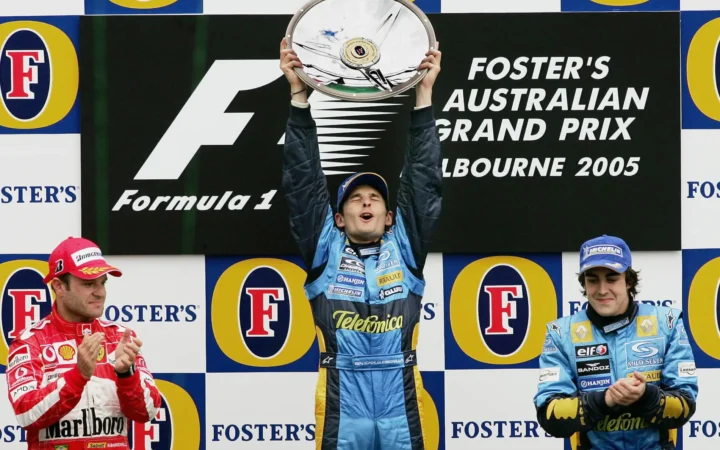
x=629 y=390
x=126 y=352
x=432 y=64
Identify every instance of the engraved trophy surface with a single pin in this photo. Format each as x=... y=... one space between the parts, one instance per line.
x=360 y=50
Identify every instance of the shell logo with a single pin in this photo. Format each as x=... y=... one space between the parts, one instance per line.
x=67 y=352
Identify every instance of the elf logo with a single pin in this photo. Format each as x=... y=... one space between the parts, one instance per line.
x=588 y=351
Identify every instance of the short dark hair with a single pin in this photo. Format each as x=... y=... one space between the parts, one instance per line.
x=631 y=278
x=64 y=279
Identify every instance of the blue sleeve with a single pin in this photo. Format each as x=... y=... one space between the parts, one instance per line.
x=562 y=410
x=672 y=404
x=420 y=190
x=305 y=188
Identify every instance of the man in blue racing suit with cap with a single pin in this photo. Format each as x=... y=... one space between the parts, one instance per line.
x=620 y=375
x=365 y=280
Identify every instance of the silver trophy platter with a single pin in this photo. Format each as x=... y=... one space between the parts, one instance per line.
x=360 y=50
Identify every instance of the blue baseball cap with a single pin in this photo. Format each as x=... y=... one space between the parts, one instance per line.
x=359 y=179
x=605 y=251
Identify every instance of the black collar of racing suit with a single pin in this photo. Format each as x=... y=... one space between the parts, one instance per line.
x=614 y=323
x=364 y=250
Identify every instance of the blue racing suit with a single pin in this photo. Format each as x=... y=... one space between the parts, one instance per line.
x=366 y=299
x=584 y=354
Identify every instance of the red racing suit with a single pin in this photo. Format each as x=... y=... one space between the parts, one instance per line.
x=57 y=406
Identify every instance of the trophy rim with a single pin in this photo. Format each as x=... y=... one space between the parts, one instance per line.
x=411 y=83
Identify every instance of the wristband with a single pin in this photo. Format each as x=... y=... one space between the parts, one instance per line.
x=128 y=374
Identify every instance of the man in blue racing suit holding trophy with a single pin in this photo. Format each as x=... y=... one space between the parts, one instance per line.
x=365 y=275
x=619 y=375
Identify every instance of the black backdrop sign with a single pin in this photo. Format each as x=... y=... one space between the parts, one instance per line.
x=553 y=132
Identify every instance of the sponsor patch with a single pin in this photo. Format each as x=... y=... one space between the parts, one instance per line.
x=147 y=378
x=616 y=326
x=390 y=291
x=392 y=277
x=97 y=445
x=102 y=355
x=22 y=390
x=581 y=332
x=20 y=375
x=592 y=383
x=352 y=265
x=18 y=357
x=556 y=328
x=367 y=251
x=549 y=374
x=49 y=377
x=332 y=289
x=650 y=376
x=682 y=334
x=87 y=254
x=601 y=250
x=350 y=280
x=670 y=319
x=67 y=352
x=647 y=326
x=686 y=369
x=549 y=345
x=595 y=367
x=649 y=352
x=389 y=264
x=591 y=351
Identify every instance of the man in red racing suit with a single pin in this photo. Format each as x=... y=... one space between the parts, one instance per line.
x=75 y=380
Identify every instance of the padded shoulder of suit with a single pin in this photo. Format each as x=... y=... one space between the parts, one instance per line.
x=667 y=316
x=114 y=326
x=563 y=323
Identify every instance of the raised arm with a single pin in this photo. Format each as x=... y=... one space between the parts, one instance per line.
x=420 y=191
x=303 y=180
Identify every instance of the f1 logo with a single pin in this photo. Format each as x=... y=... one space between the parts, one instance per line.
x=25 y=308
x=24 y=72
x=502 y=309
x=203 y=120
x=262 y=311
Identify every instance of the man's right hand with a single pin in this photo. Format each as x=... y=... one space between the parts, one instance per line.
x=288 y=61
x=626 y=391
x=88 y=353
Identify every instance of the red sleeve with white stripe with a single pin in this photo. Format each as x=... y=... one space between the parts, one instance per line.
x=138 y=395
x=36 y=408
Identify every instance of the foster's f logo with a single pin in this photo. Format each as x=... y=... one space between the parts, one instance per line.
x=23 y=72
x=263 y=310
x=24 y=299
x=502 y=308
x=26 y=307
x=498 y=311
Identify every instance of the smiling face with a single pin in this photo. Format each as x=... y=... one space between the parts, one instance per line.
x=607 y=291
x=364 y=215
